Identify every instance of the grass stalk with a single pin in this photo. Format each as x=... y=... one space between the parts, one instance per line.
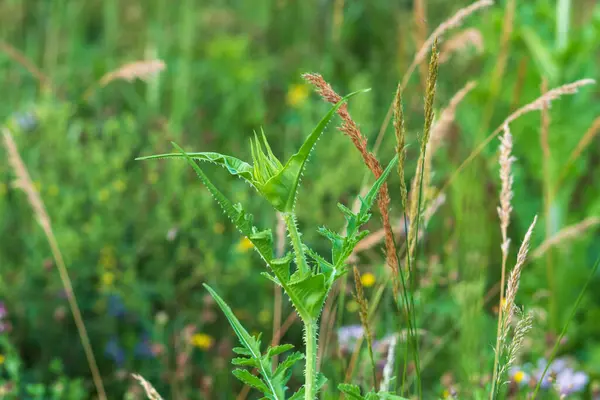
x=24 y=182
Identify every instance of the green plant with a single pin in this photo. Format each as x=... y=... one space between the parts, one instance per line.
x=308 y=285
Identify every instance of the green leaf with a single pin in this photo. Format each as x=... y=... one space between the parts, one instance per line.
x=241 y=351
x=275 y=351
x=245 y=362
x=248 y=341
x=281 y=189
x=311 y=292
x=251 y=380
x=369 y=199
x=352 y=391
x=233 y=165
x=288 y=363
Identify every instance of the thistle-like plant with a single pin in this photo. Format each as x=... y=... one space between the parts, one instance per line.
x=308 y=283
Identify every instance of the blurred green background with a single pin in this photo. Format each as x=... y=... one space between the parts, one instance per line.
x=140 y=238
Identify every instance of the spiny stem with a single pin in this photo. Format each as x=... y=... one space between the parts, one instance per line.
x=310 y=371
x=290 y=222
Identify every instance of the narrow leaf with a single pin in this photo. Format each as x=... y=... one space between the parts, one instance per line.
x=282 y=188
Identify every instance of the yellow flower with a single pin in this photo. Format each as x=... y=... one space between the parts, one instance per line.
x=103 y=195
x=119 y=185
x=367 y=279
x=219 y=228
x=297 y=95
x=53 y=190
x=2 y=359
x=108 y=278
x=244 y=245
x=519 y=376
x=445 y=394
x=202 y=341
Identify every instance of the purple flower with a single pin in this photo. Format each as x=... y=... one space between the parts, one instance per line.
x=569 y=381
x=114 y=351
x=347 y=335
x=143 y=349
x=116 y=308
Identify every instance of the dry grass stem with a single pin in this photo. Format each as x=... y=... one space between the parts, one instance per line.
x=151 y=393
x=22 y=59
x=536 y=105
x=442 y=126
x=24 y=182
x=420 y=18
x=585 y=141
x=566 y=234
x=453 y=22
x=350 y=128
x=460 y=41
x=143 y=70
x=420 y=182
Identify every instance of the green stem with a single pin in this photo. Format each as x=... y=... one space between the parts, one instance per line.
x=290 y=222
x=563 y=15
x=310 y=371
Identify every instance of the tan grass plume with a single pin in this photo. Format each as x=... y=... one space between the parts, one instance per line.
x=151 y=393
x=536 y=105
x=24 y=183
x=566 y=234
x=470 y=37
x=351 y=129
x=143 y=70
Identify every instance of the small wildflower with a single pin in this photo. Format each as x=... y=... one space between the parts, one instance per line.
x=161 y=318
x=519 y=376
x=172 y=234
x=218 y=228
x=297 y=95
x=367 y=279
x=244 y=245
x=347 y=335
x=114 y=351
x=119 y=185
x=53 y=190
x=2 y=359
x=202 y=341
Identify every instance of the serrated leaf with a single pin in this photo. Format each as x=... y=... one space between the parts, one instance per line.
x=253 y=381
x=241 y=351
x=325 y=266
x=281 y=189
x=311 y=291
x=298 y=395
x=234 y=166
x=245 y=362
x=288 y=363
x=352 y=391
x=248 y=341
x=276 y=350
